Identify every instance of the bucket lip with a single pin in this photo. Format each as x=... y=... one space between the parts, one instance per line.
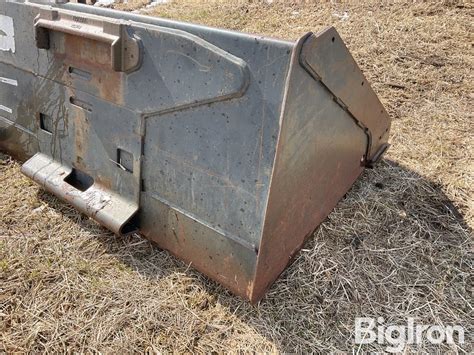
x=295 y=58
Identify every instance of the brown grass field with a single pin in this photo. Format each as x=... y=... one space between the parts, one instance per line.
x=398 y=245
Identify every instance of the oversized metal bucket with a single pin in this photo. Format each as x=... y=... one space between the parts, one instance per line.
x=227 y=149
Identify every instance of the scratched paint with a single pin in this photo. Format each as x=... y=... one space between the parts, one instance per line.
x=7 y=34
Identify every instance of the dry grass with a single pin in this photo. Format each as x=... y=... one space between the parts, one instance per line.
x=399 y=245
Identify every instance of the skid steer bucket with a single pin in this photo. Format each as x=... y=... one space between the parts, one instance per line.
x=227 y=149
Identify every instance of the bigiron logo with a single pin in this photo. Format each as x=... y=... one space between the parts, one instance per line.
x=396 y=337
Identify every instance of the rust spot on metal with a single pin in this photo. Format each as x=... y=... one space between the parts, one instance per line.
x=94 y=58
x=81 y=134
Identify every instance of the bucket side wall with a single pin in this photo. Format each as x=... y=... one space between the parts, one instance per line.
x=318 y=158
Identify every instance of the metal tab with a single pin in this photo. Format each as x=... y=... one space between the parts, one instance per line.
x=124 y=50
x=105 y=206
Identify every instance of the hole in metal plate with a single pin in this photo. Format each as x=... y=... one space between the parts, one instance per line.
x=46 y=122
x=79 y=180
x=81 y=104
x=80 y=73
x=125 y=160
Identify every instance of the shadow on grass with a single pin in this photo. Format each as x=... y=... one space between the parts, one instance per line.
x=395 y=247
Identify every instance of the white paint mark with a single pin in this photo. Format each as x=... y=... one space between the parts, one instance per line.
x=7 y=109
x=7 y=34
x=8 y=81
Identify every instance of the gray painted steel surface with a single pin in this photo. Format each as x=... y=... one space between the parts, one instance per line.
x=227 y=149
